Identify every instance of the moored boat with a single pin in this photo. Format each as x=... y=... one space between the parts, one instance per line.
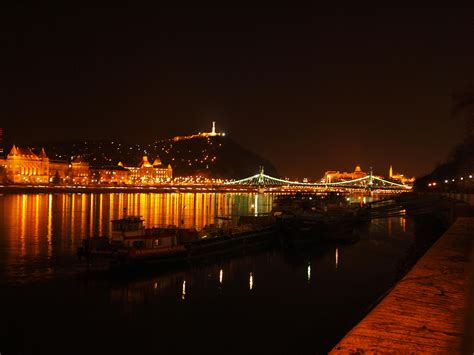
x=306 y=219
x=132 y=243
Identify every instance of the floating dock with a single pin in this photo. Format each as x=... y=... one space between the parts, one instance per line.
x=427 y=311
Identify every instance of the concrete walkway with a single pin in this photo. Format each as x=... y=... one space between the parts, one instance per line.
x=426 y=312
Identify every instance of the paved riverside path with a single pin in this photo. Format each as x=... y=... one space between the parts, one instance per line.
x=426 y=311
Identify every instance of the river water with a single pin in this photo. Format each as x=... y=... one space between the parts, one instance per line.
x=272 y=301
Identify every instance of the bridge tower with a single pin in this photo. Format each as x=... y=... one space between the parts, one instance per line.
x=371 y=179
x=261 y=177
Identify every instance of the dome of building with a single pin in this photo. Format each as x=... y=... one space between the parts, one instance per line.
x=145 y=163
x=157 y=162
x=358 y=169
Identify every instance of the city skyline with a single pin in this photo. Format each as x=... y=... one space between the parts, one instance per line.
x=212 y=133
x=24 y=168
x=306 y=88
x=231 y=178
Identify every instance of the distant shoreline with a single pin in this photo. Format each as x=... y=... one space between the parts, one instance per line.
x=18 y=189
x=35 y=189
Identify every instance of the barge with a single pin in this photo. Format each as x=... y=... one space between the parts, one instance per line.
x=307 y=219
x=132 y=243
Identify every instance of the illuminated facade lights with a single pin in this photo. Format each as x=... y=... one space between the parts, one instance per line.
x=150 y=174
x=400 y=177
x=79 y=171
x=24 y=166
x=333 y=176
x=116 y=175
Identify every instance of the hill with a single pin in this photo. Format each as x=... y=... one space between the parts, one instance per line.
x=219 y=156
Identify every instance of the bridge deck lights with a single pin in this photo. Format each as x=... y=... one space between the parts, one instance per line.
x=261 y=179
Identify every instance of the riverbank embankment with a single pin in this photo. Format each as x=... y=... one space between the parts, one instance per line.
x=427 y=311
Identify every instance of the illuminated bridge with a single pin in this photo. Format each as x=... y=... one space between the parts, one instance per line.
x=368 y=182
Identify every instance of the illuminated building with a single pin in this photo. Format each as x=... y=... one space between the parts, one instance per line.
x=213 y=133
x=79 y=171
x=58 y=171
x=332 y=176
x=117 y=175
x=24 y=166
x=400 y=177
x=149 y=174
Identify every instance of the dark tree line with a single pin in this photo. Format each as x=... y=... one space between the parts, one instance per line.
x=460 y=162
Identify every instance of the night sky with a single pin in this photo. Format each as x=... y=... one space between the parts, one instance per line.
x=311 y=89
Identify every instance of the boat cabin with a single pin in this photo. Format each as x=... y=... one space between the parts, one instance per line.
x=131 y=233
x=127 y=226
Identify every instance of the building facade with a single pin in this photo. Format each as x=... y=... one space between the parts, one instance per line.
x=333 y=176
x=110 y=175
x=58 y=171
x=150 y=174
x=79 y=172
x=400 y=177
x=23 y=166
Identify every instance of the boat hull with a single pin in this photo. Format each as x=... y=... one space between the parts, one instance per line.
x=188 y=252
x=301 y=231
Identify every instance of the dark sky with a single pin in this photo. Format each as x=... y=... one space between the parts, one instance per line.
x=312 y=89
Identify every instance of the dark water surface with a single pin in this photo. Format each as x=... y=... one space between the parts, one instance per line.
x=267 y=302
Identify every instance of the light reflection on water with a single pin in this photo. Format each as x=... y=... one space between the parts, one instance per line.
x=271 y=301
x=376 y=247
x=38 y=232
x=183 y=292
